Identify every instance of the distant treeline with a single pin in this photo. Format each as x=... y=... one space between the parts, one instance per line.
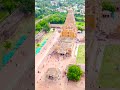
x=26 y=6
x=57 y=18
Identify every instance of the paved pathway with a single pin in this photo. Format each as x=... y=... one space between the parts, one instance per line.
x=53 y=61
x=45 y=49
x=62 y=84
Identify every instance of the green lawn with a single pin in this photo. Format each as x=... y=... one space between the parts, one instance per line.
x=109 y=76
x=3 y=15
x=80 y=24
x=81 y=55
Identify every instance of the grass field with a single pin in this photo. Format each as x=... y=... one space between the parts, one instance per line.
x=3 y=15
x=81 y=55
x=109 y=75
x=82 y=24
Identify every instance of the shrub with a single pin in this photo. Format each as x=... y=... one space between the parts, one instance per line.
x=7 y=45
x=38 y=45
x=80 y=28
x=74 y=73
x=108 y=6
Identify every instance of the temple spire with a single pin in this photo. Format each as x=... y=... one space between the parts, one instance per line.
x=69 y=28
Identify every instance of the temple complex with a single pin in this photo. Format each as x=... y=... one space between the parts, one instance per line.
x=68 y=35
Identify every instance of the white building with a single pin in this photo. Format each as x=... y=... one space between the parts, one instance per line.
x=82 y=10
x=54 y=3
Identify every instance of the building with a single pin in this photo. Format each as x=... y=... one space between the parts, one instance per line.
x=82 y=10
x=54 y=3
x=67 y=36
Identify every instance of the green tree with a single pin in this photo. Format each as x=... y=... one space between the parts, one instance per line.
x=38 y=45
x=43 y=26
x=38 y=27
x=43 y=22
x=108 y=6
x=46 y=27
x=74 y=73
x=9 y=5
x=80 y=28
x=27 y=6
x=7 y=45
x=57 y=18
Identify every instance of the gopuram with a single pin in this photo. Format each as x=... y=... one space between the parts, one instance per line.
x=67 y=36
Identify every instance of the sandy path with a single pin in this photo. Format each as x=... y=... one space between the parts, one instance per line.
x=52 y=61
x=45 y=49
x=62 y=84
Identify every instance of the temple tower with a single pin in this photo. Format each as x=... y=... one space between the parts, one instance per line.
x=69 y=28
x=67 y=36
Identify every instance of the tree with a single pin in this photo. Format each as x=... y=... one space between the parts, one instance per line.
x=57 y=18
x=38 y=27
x=9 y=5
x=27 y=6
x=74 y=73
x=46 y=27
x=43 y=25
x=38 y=45
x=80 y=28
x=37 y=13
x=7 y=45
x=108 y=6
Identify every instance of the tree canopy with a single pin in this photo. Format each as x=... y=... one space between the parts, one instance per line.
x=43 y=25
x=26 y=6
x=74 y=73
x=108 y=6
x=9 y=5
x=57 y=19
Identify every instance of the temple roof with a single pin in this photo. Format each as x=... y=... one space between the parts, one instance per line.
x=70 y=23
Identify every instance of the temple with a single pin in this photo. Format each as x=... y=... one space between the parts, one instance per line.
x=68 y=35
x=69 y=29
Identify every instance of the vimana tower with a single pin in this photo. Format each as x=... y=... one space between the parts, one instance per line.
x=68 y=35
